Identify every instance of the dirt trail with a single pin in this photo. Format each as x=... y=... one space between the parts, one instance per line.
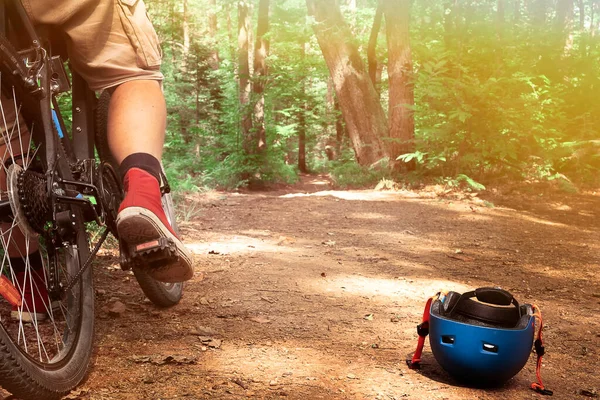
x=316 y=296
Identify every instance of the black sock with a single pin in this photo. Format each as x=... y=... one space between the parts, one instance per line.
x=143 y=161
x=35 y=260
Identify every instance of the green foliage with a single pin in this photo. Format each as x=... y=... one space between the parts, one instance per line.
x=470 y=182
x=346 y=174
x=510 y=100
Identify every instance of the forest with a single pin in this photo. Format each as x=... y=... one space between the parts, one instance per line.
x=458 y=92
x=482 y=115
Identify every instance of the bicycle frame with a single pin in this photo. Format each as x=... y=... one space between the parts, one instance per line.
x=47 y=88
x=71 y=181
x=43 y=82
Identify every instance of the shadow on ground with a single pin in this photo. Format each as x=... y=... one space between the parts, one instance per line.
x=318 y=296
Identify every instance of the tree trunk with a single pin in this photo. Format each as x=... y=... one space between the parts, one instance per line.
x=184 y=115
x=172 y=17
x=230 y=32
x=340 y=133
x=517 y=11
x=301 y=115
x=261 y=51
x=212 y=31
x=186 y=28
x=564 y=23
x=400 y=71
x=333 y=106
x=364 y=116
x=592 y=15
x=372 y=48
x=302 y=141
x=501 y=12
x=537 y=11
x=244 y=75
x=564 y=15
x=216 y=94
x=584 y=38
x=500 y=19
x=353 y=20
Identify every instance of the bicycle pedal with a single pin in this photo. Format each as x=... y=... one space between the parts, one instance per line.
x=154 y=253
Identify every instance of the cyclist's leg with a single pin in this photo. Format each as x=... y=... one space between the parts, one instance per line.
x=137 y=108
x=125 y=57
x=136 y=124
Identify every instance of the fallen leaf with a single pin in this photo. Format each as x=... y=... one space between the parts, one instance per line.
x=588 y=393
x=210 y=342
x=161 y=360
x=240 y=383
x=204 y=331
x=177 y=360
x=369 y=317
x=204 y=301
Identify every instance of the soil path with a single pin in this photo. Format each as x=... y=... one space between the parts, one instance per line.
x=317 y=295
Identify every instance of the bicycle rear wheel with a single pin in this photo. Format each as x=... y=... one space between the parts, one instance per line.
x=46 y=341
x=162 y=294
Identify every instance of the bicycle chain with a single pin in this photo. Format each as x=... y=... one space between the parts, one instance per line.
x=88 y=262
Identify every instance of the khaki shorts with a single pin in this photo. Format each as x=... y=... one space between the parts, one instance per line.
x=109 y=41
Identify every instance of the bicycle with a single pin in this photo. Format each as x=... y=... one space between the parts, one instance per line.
x=55 y=188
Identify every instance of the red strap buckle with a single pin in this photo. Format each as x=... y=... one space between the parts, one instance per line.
x=541 y=390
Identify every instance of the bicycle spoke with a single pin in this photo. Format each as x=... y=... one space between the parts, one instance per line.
x=41 y=339
x=45 y=328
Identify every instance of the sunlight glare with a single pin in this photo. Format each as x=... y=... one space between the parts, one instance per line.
x=239 y=244
x=360 y=195
x=416 y=288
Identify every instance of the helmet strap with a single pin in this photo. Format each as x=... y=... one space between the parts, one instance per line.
x=539 y=350
x=422 y=331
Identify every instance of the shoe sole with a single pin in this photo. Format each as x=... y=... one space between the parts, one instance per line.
x=137 y=225
x=27 y=316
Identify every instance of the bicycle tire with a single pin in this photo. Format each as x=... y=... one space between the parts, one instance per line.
x=161 y=294
x=27 y=378
x=43 y=359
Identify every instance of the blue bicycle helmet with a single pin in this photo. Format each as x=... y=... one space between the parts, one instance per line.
x=481 y=337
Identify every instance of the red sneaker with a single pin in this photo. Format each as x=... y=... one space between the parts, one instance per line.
x=35 y=301
x=141 y=219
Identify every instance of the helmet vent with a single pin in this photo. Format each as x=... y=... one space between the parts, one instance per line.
x=490 y=348
x=448 y=339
